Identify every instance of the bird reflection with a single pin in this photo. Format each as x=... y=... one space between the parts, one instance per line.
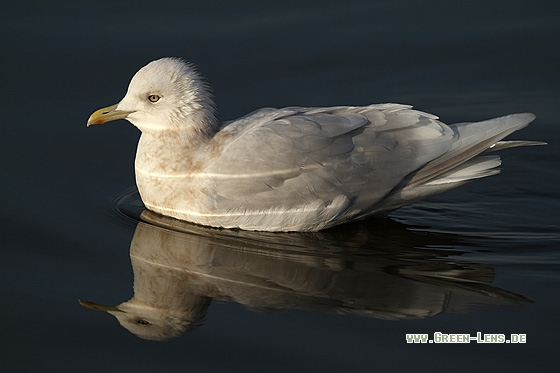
x=377 y=268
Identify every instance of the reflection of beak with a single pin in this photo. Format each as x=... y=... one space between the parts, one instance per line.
x=99 y=307
x=107 y=114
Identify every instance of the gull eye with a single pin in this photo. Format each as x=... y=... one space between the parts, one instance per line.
x=153 y=98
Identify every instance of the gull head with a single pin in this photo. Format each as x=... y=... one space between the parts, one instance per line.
x=151 y=322
x=166 y=94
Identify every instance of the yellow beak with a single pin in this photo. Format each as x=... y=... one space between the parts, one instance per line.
x=107 y=114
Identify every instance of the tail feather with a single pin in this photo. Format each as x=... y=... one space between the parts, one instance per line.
x=472 y=139
x=474 y=168
x=501 y=145
x=461 y=164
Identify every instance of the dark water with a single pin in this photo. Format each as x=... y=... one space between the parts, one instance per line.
x=482 y=258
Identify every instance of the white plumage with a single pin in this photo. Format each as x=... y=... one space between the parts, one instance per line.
x=292 y=169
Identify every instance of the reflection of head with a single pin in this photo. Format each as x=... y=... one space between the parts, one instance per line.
x=159 y=324
x=168 y=300
x=155 y=323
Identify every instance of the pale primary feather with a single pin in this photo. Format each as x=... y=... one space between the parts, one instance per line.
x=294 y=168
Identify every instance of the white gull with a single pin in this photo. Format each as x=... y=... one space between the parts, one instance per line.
x=296 y=168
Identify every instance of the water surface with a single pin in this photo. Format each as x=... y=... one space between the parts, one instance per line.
x=481 y=258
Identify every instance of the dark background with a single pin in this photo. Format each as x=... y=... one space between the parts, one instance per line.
x=62 y=236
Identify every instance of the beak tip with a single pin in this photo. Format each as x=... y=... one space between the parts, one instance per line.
x=91 y=123
x=106 y=114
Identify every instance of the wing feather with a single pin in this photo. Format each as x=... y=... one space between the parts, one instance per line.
x=295 y=156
